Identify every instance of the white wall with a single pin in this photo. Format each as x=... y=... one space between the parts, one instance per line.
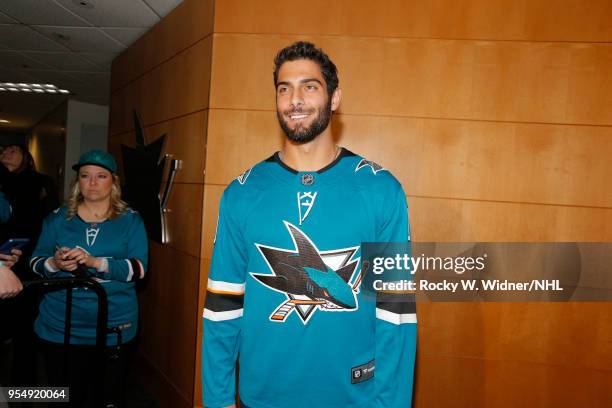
x=86 y=129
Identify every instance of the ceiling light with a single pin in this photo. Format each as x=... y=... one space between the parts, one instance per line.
x=4 y=121
x=38 y=88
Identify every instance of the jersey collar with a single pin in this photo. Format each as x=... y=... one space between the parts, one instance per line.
x=275 y=158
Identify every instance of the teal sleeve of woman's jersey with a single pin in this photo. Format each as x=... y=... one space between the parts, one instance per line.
x=5 y=209
x=134 y=266
x=45 y=249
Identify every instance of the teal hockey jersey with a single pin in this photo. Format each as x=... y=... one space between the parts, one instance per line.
x=123 y=242
x=284 y=291
x=5 y=209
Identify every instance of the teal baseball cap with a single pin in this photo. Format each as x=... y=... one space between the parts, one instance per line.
x=97 y=158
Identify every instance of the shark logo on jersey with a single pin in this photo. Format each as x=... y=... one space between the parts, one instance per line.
x=91 y=235
x=374 y=166
x=310 y=279
x=243 y=177
x=306 y=201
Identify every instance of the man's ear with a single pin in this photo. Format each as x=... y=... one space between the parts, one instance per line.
x=336 y=97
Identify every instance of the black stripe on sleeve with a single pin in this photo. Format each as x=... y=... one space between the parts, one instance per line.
x=221 y=302
x=399 y=303
x=33 y=263
x=136 y=267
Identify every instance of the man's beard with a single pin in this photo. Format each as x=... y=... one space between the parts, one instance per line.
x=301 y=134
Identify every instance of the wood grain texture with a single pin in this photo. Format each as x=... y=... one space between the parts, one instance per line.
x=169 y=326
x=542 y=333
x=212 y=198
x=477 y=80
x=184 y=218
x=525 y=163
x=523 y=20
x=185 y=141
x=185 y=201
x=160 y=389
x=455 y=381
x=451 y=220
x=166 y=77
x=175 y=88
x=189 y=22
x=494 y=116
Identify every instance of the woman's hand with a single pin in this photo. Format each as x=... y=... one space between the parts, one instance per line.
x=10 y=259
x=62 y=261
x=83 y=257
x=10 y=285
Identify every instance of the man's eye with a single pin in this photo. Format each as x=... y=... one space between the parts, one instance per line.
x=282 y=90
x=311 y=87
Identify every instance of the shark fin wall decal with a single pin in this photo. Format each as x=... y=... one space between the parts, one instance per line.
x=143 y=167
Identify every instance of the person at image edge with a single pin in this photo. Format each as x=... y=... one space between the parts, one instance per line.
x=284 y=290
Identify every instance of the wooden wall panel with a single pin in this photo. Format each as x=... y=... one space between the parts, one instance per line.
x=166 y=395
x=451 y=220
x=542 y=333
x=466 y=382
x=184 y=218
x=212 y=197
x=544 y=20
x=493 y=115
x=478 y=80
x=180 y=29
x=185 y=140
x=169 y=324
x=185 y=134
x=242 y=139
x=175 y=88
x=165 y=76
x=530 y=163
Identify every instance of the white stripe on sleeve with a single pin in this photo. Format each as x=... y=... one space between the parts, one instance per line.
x=220 y=316
x=396 y=318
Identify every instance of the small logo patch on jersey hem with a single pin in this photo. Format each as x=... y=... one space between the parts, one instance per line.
x=374 y=166
x=363 y=372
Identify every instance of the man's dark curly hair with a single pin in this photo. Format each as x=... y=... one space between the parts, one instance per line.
x=306 y=50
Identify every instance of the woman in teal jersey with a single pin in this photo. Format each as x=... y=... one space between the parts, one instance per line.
x=97 y=234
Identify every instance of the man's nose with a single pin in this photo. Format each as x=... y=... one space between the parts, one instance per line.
x=297 y=98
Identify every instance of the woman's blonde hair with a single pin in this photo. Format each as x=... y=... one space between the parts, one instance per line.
x=117 y=205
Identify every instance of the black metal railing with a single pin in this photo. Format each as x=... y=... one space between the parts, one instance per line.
x=69 y=284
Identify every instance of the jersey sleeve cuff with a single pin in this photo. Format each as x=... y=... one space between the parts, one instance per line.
x=50 y=268
x=103 y=267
